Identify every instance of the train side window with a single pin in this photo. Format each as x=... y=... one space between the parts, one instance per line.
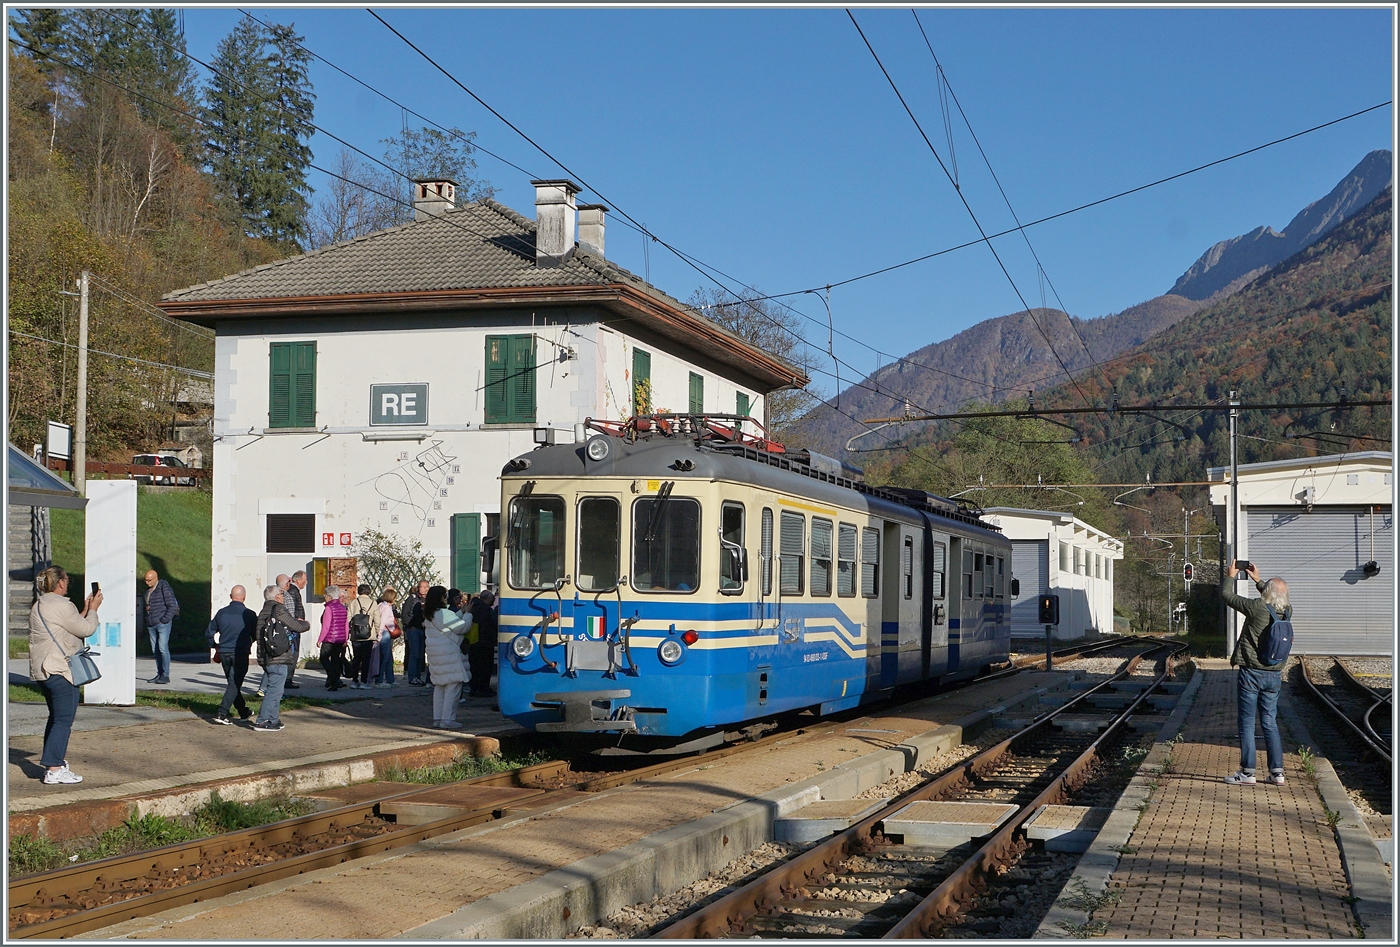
x=989 y=577
x=599 y=534
x=967 y=573
x=870 y=562
x=906 y=566
x=939 y=572
x=536 y=541
x=792 y=549
x=1001 y=577
x=846 y=560
x=821 y=556
x=978 y=576
x=765 y=550
x=666 y=544
x=731 y=548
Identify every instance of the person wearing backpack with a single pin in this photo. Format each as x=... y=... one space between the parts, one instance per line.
x=363 y=616
x=276 y=655
x=1260 y=654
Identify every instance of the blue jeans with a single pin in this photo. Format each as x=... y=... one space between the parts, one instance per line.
x=1260 y=689
x=415 y=666
x=62 y=698
x=274 y=679
x=160 y=647
x=386 y=659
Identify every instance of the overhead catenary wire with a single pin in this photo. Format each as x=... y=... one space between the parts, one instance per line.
x=208 y=376
x=968 y=207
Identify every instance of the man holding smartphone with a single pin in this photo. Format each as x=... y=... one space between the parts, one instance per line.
x=1259 y=683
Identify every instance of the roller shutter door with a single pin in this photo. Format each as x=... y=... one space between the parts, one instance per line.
x=1029 y=563
x=1337 y=609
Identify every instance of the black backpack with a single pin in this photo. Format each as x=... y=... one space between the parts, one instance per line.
x=274 y=639
x=359 y=627
x=1276 y=641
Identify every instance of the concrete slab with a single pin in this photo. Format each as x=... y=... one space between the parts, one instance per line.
x=359 y=792
x=820 y=819
x=29 y=720
x=1082 y=723
x=447 y=801
x=947 y=823
x=1067 y=828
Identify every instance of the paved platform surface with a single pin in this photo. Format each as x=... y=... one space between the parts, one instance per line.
x=1208 y=860
x=395 y=893
x=120 y=751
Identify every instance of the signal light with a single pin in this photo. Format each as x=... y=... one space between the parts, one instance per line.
x=1049 y=609
x=690 y=637
x=1186 y=572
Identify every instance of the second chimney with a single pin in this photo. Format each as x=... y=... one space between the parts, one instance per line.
x=433 y=197
x=554 y=221
x=590 y=227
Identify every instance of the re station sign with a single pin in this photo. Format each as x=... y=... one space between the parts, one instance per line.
x=398 y=404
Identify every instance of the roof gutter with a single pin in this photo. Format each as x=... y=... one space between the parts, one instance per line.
x=628 y=301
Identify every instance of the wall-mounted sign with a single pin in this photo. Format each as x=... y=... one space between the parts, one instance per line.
x=328 y=539
x=398 y=404
x=345 y=539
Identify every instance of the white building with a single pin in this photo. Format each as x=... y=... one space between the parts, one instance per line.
x=1057 y=553
x=1318 y=522
x=383 y=382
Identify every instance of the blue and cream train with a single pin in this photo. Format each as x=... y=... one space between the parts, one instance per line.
x=679 y=582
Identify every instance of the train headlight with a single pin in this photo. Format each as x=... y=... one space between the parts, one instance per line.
x=597 y=448
x=523 y=646
x=670 y=652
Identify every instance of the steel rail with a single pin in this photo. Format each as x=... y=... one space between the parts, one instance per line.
x=1377 y=699
x=730 y=913
x=944 y=902
x=72 y=880
x=1377 y=747
x=1074 y=651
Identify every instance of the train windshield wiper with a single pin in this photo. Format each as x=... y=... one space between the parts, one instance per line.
x=662 y=496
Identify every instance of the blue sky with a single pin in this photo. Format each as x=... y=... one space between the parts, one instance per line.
x=767 y=143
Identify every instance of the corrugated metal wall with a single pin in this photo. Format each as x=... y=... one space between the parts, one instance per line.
x=1029 y=563
x=1336 y=608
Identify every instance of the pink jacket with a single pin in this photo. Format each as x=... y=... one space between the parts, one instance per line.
x=334 y=624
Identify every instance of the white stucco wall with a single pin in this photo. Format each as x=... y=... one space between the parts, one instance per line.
x=411 y=487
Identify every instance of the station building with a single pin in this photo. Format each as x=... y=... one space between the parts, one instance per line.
x=382 y=383
x=1325 y=524
x=1058 y=553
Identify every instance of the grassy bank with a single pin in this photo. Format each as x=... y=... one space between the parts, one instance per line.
x=173 y=537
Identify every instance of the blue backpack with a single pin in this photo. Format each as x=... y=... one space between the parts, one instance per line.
x=1277 y=640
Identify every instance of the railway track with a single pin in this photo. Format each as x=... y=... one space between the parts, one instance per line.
x=1356 y=708
x=97 y=894
x=862 y=884
x=1353 y=721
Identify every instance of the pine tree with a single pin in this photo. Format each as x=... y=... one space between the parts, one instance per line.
x=258 y=110
x=42 y=31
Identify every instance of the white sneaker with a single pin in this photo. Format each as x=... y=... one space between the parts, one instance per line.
x=450 y=725
x=383 y=684
x=63 y=774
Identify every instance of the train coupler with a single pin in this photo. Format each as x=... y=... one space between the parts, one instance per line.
x=585 y=711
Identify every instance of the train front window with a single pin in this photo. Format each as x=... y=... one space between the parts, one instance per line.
x=536 y=542
x=666 y=544
x=599 y=533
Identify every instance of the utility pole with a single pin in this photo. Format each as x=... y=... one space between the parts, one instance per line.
x=1228 y=615
x=80 y=425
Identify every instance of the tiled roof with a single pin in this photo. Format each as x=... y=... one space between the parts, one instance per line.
x=477 y=246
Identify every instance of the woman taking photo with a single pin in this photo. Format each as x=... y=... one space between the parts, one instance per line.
x=445 y=630
x=57 y=630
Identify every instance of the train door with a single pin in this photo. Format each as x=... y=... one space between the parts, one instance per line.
x=891 y=596
x=936 y=574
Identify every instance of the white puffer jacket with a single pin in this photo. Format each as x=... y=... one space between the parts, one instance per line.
x=445 y=632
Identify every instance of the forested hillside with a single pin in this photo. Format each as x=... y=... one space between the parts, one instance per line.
x=129 y=159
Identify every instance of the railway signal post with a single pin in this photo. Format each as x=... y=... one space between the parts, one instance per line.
x=1050 y=617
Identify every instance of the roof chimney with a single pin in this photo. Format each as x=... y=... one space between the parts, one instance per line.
x=554 y=221
x=433 y=197
x=590 y=227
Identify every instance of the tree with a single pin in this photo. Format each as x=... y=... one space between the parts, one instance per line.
x=258 y=111
x=42 y=30
x=388 y=560
x=771 y=327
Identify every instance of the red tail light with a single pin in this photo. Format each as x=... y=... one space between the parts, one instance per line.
x=690 y=637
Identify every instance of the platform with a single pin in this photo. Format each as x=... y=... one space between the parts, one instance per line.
x=1207 y=860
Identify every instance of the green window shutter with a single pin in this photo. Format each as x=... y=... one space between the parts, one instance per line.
x=279 y=403
x=697 y=394
x=522 y=386
x=303 y=384
x=466 y=551
x=741 y=404
x=497 y=403
x=641 y=381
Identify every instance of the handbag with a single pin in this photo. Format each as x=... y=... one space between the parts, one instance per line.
x=396 y=632
x=81 y=666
